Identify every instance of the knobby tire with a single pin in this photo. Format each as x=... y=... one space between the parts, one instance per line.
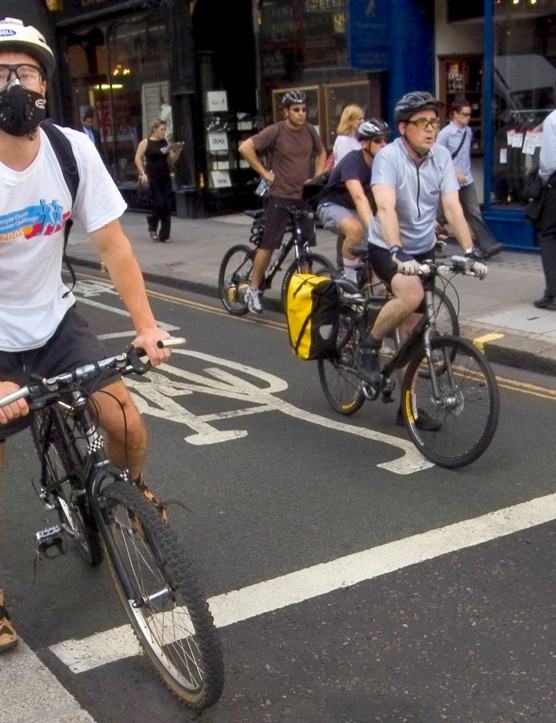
x=169 y=613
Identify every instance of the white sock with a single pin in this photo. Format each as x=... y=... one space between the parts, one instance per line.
x=350 y=269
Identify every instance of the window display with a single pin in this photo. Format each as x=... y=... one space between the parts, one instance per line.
x=524 y=94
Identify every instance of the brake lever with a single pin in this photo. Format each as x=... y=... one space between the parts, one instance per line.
x=134 y=355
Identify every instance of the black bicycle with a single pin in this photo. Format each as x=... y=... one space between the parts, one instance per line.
x=376 y=293
x=447 y=378
x=101 y=512
x=236 y=269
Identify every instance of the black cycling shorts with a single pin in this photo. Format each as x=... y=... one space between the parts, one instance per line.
x=385 y=268
x=72 y=344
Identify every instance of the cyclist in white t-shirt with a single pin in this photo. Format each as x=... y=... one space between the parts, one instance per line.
x=40 y=331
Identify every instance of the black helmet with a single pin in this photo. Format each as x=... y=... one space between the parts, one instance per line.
x=369 y=129
x=293 y=96
x=14 y=35
x=415 y=101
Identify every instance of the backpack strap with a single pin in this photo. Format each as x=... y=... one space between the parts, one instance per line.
x=66 y=158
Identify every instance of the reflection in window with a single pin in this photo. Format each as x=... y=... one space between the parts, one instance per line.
x=524 y=75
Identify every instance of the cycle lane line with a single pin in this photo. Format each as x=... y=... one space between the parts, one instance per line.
x=301 y=585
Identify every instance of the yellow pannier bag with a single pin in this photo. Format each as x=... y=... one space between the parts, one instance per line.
x=312 y=311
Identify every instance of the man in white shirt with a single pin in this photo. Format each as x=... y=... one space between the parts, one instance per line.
x=40 y=330
x=546 y=225
x=457 y=136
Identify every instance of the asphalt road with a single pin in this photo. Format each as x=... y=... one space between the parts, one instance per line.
x=350 y=581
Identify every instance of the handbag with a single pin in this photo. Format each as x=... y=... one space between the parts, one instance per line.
x=532 y=185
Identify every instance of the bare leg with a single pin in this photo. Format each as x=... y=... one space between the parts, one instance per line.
x=126 y=435
x=260 y=265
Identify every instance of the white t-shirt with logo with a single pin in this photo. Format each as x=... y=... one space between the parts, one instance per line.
x=34 y=206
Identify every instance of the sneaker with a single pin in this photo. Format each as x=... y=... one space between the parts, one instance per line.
x=253 y=301
x=8 y=636
x=546 y=302
x=160 y=506
x=368 y=364
x=424 y=421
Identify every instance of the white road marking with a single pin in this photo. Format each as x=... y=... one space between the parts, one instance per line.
x=159 y=397
x=32 y=693
x=296 y=587
x=156 y=396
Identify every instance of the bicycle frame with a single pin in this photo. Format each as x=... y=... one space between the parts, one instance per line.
x=96 y=469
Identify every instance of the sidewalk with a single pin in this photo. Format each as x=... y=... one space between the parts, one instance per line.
x=497 y=313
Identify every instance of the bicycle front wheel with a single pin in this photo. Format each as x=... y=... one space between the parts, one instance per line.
x=166 y=608
x=445 y=317
x=459 y=394
x=337 y=375
x=310 y=264
x=234 y=278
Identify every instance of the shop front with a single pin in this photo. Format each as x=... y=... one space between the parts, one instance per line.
x=218 y=70
x=501 y=56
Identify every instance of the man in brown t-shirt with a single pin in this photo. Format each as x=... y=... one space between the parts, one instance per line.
x=290 y=146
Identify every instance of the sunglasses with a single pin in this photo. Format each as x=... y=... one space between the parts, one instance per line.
x=296 y=109
x=424 y=123
x=465 y=114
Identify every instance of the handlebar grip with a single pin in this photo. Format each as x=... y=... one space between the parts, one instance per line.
x=172 y=341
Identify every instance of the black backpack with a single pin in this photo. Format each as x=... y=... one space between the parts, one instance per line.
x=64 y=153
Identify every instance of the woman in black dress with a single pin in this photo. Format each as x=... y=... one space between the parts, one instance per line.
x=153 y=157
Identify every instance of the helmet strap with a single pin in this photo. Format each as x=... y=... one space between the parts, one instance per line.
x=420 y=156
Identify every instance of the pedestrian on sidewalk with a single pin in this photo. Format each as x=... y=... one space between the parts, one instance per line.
x=457 y=136
x=546 y=225
x=41 y=333
x=153 y=158
x=290 y=145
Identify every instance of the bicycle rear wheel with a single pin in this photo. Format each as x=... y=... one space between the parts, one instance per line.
x=337 y=375
x=466 y=404
x=311 y=264
x=167 y=610
x=234 y=278
x=56 y=439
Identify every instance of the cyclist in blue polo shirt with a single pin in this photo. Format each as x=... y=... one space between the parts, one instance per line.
x=409 y=178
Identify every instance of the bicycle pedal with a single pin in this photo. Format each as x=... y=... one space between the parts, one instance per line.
x=50 y=542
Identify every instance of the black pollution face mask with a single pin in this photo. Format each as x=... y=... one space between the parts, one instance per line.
x=21 y=110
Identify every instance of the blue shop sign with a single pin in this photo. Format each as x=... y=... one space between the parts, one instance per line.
x=370 y=34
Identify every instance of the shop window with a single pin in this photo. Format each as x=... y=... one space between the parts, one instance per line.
x=524 y=75
x=121 y=69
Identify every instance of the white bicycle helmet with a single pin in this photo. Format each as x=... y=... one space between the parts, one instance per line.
x=411 y=103
x=369 y=129
x=292 y=97
x=14 y=35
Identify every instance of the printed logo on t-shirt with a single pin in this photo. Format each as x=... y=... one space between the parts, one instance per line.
x=44 y=219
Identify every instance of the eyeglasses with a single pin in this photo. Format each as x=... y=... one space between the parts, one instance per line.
x=424 y=123
x=298 y=109
x=379 y=139
x=465 y=114
x=28 y=75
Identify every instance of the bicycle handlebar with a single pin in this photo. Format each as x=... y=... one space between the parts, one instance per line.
x=49 y=390
x=459 y=265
